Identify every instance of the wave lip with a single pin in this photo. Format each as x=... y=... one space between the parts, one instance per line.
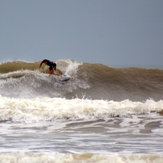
x=50 y=109
x=67 y=66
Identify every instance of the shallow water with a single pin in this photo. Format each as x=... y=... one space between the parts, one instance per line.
x=134 y=134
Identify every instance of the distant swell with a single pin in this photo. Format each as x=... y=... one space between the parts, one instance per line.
x=93 y=81
x=123 y=83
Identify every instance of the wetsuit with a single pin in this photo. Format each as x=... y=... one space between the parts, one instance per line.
x=50 y=64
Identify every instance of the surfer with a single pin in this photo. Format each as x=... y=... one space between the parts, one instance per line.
x=52 y=67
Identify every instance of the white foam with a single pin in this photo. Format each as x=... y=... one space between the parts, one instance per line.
x=49 y=109
x=80 y=158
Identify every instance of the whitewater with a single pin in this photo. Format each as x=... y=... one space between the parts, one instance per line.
x=102 y=114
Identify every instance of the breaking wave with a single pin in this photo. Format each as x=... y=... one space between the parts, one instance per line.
x=51 y=109
x=94 y=81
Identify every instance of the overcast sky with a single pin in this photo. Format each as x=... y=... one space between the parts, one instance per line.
x=111 y=32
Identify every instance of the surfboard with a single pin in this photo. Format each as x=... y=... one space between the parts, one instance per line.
x=66 y=78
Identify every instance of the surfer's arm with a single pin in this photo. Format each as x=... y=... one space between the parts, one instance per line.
x=41 y=64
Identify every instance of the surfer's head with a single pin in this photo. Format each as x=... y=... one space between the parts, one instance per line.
x=45 y=61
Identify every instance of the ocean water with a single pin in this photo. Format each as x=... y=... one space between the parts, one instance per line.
x=102 y=114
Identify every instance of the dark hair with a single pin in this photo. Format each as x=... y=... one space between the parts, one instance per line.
x=45 y=60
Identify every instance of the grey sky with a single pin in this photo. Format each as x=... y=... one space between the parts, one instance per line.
x=111 y=32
